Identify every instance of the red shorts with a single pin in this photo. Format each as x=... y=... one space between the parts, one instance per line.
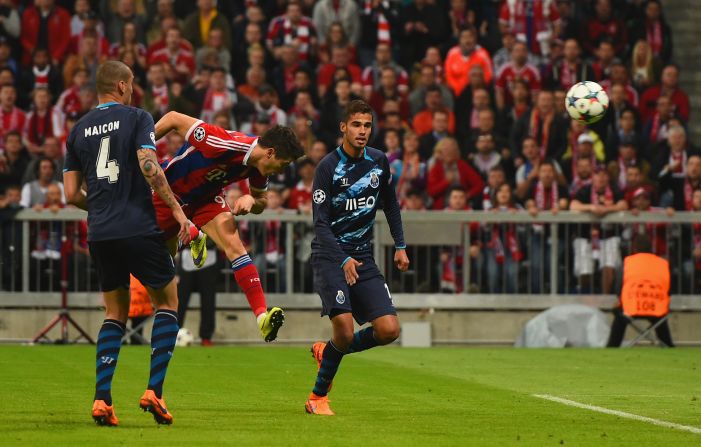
x=199 y=213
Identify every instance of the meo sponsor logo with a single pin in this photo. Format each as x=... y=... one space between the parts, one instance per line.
x=362 y=202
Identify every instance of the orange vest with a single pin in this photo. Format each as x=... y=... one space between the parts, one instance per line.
x=140 y=301
x=645 y=290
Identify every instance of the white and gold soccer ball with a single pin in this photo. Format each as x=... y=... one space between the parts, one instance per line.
x=586 y=102
x=185 y=337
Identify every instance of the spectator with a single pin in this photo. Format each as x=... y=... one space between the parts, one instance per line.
x=10 y=22
x=380 y=25
x=345 y=12
x=605 y=55
x=536 y=23
x=255 y=79
x=423 y=24
x=654 y=29
x=597 y=241
x=584 y=171
x=433 y=101
x=570 y=69
x=545 y=195
x=432 y=59
x=159 y=98
x=517 y=68
x=43 y=121
x=167 y=24
x=47 y=26
x=495 y=179
x=622 y=122
x=163 y=12
x=503 y=251
x=332 y=109
x=335 y=37
x=440 y=124
x=294 y=29
x=301 y=195
x=462 y=58
x=13 y=160
x=657 y=127
x=125 y=13
x=414 y=201
x=641 y=202
x=198 y=24
x=680 y=190
x=488 y=149
x=408 y=171
x=448 y=171
x=389 y=91
x=587 y=145
x=521 y=105
x=541 y=123
x=627 y=156
x=618 y=74
x=42 y=74
x=529 y=170
x=217 y=97
x=69 y=100
x=603 y=24
x=286 y=70
x=426 y=81
x=12 y=118
x=272 y=245
x=303 y=107
x=340 y=58
x=251 y=48
x=266 y=104
x=179 y=61
x=34 y=192
x=10 y=198
x=691 y=253
x=669 y=87
x=91 y=25
x=644 y=67
x=452 y=258
x=215 y=44
x=52 y=150
x=129 y=44
x=372 y=74
x=673 y=162
x=87 y=58
x=6 y=58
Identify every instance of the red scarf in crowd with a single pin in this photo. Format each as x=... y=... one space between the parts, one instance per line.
x=383 y=28
x=41 y=77
x=654 y=37
x=622 y=166
x=539 y=129
x=543 y=201
x=160 y=94
x=677 y=159
x=511 y=241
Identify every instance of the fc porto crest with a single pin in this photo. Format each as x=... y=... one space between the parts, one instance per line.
x=374 y=180
x=340 y=297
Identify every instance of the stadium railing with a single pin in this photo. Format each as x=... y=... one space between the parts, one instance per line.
x=498 y=256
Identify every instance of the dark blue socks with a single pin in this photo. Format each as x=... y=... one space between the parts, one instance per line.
x=163 y=336
x=362 y=340
x=330 y=360
x=109 y=340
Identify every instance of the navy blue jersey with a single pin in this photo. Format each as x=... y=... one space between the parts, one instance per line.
x=103 y=146
x=347 y=193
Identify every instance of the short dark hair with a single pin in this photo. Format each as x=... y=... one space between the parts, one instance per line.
x=456 y=189
x=433 y=88
x=109 y=74
x=356 y=106
x=13 y=133
x=40 y=160
x=284 y=141
x=414 y=192
x=548 y=161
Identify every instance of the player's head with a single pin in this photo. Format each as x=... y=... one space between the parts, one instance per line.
x=357 y=124
x=114 y=80
x=281 y=147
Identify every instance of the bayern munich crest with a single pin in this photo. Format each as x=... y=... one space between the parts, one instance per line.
x=199 y=134
x=319 y=196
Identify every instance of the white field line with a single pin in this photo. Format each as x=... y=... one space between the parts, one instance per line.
x=621 y=414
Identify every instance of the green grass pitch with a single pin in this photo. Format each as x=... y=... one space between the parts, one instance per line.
x=387 y=396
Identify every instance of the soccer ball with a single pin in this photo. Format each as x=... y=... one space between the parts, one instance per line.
x=185 y=337
x=586 y=102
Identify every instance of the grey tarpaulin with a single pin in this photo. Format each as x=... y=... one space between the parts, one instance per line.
x=567 y=325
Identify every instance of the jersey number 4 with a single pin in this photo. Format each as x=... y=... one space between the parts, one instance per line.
x=106 y=168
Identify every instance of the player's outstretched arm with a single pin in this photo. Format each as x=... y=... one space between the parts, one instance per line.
x=155 y=177
x=72 y=182
x=178 y=122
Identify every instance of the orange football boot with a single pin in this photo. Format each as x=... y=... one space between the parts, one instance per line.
x=157 y=407
x=103 y=414
x=318 y=405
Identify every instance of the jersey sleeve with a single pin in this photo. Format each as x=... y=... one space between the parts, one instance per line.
x=145 y=132
x=321 y=211
x=391 y=206
x=71 y=161
x=214 y=141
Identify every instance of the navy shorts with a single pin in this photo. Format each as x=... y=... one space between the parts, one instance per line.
x=146 y=257
x=367 y=299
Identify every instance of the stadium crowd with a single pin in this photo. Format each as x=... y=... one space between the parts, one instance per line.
x=469 y=99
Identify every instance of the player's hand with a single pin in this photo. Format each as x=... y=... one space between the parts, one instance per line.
x=401 y=260
x=349 y=269
x=243 y=205
x=184 y=231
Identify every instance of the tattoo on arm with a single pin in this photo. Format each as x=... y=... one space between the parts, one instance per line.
x=155 y=177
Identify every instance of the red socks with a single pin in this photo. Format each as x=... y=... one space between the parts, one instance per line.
x=247 y=278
